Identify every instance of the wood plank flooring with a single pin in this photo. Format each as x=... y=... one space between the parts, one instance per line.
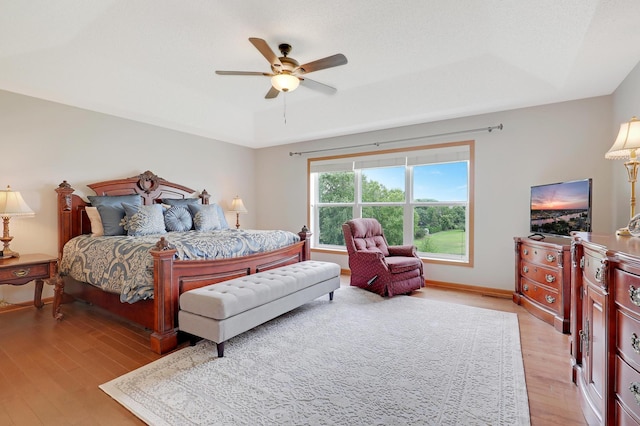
x=50 y=371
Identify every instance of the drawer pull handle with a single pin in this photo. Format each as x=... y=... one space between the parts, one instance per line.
x=635 y=343
x=634 y=387
x=525 y=251
x=525 y=287
x=598 y=276
x=550 y=278
x=551 y=258
x=525 y=269
x=550 y=299
x=21 y=272
x=634 y=295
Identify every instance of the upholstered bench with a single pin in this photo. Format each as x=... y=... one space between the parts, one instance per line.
x=221 y=311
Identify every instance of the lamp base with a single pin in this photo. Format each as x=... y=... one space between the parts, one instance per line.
x=7 y=253
x=623 y=232
x=6 y=240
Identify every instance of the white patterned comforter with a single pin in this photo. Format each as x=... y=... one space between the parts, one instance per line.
x=123 y=265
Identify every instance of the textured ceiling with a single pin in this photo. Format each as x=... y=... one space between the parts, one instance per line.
x=410 y=61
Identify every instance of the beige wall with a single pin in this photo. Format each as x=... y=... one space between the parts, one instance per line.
x=538 y=145
x=626 y=104
x=44 y=143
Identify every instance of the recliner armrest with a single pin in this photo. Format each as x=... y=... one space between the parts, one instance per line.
x=408 y=250
x=369 y=255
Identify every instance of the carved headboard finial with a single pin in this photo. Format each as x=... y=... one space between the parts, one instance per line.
x=64 y=185
x=204 y=195
x=148 y=181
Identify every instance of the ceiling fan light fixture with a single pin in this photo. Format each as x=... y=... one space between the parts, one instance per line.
x=285 y=82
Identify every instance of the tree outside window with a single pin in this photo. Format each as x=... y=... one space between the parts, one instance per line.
x=420 y=197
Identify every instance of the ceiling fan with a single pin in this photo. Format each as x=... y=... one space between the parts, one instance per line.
x=286 y=73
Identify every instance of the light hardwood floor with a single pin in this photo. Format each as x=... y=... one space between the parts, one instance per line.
x=50 y=371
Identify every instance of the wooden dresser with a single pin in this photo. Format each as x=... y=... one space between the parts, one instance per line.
x=605 y=327
x=542 y=277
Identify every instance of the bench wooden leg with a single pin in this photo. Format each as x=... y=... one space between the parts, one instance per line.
x=220 y=349
x=331 y=295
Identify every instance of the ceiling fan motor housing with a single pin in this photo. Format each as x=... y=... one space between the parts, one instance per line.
x=286 y=72
x=289 y=65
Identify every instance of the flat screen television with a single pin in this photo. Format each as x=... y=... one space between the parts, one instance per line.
x=560 y=208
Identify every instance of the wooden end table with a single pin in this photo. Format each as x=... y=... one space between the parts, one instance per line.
x=26 y=268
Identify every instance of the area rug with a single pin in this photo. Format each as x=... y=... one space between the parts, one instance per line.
x=358 y=360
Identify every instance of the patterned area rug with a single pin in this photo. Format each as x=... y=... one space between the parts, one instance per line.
x=359 y=360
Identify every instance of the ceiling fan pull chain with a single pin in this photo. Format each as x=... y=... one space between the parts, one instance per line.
x=284 y=99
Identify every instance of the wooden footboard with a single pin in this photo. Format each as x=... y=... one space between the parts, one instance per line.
x=174 y=277
x=171 y=277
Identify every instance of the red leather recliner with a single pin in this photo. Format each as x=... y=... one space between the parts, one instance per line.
x=377 y=266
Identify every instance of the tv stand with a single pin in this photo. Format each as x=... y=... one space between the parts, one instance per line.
x=542 y=279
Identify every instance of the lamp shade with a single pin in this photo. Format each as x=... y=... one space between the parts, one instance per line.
x=237 y=206
x=12 y=204
x=285 y=82
x=627 y=142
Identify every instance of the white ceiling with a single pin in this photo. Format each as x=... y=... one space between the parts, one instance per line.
x=410 y=61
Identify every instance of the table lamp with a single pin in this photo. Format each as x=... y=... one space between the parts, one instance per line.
x=11 y=204
x=624 y=147
x=237 y=206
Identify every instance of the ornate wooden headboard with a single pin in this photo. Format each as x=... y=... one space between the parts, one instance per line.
x=73 y=220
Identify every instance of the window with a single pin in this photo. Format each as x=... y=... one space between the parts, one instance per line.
x=421 y=196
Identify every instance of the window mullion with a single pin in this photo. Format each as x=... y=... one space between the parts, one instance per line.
x=357 y=197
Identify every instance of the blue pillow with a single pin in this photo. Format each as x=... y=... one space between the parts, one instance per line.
x=178 y=219
x=221 y=218
x=205 y=217
x=111 y=210
x=180 y=201
x=143 y=220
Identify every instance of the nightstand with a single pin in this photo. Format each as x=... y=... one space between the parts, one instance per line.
x=26 y=268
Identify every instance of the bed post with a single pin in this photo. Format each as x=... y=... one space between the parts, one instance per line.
x=165 y=335
x=65 y=218
x=305 y=236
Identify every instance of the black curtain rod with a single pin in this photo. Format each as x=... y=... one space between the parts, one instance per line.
x=479 y=129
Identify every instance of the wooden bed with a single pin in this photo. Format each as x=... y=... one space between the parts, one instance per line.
x=170 y=277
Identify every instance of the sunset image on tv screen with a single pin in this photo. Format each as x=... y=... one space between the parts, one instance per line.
x=561 y=208
x=570 y=195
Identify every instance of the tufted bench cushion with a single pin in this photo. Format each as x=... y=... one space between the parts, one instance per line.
x=220 y=311
x=229 y=298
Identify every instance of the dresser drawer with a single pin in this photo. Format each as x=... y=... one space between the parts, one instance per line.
x=623 y=418
x=627 y=290
x=543 y=295
x=547 y=276
x=628 y=338
x=539 y=255
x=24 y=272
x=593 y=270
x=627 y=387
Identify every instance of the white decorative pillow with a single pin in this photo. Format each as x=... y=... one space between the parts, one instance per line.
x=96 y=222
x=143 y=220
x=205 y=217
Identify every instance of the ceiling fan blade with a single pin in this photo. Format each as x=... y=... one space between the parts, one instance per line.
x=272 y=93
x=312 y=84
x=320 y=64
x=244 y=73
x=266 y=51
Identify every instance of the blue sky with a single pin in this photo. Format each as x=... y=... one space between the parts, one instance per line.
x=443 y=182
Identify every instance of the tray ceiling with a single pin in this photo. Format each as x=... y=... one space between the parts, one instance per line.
x=410 y=61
